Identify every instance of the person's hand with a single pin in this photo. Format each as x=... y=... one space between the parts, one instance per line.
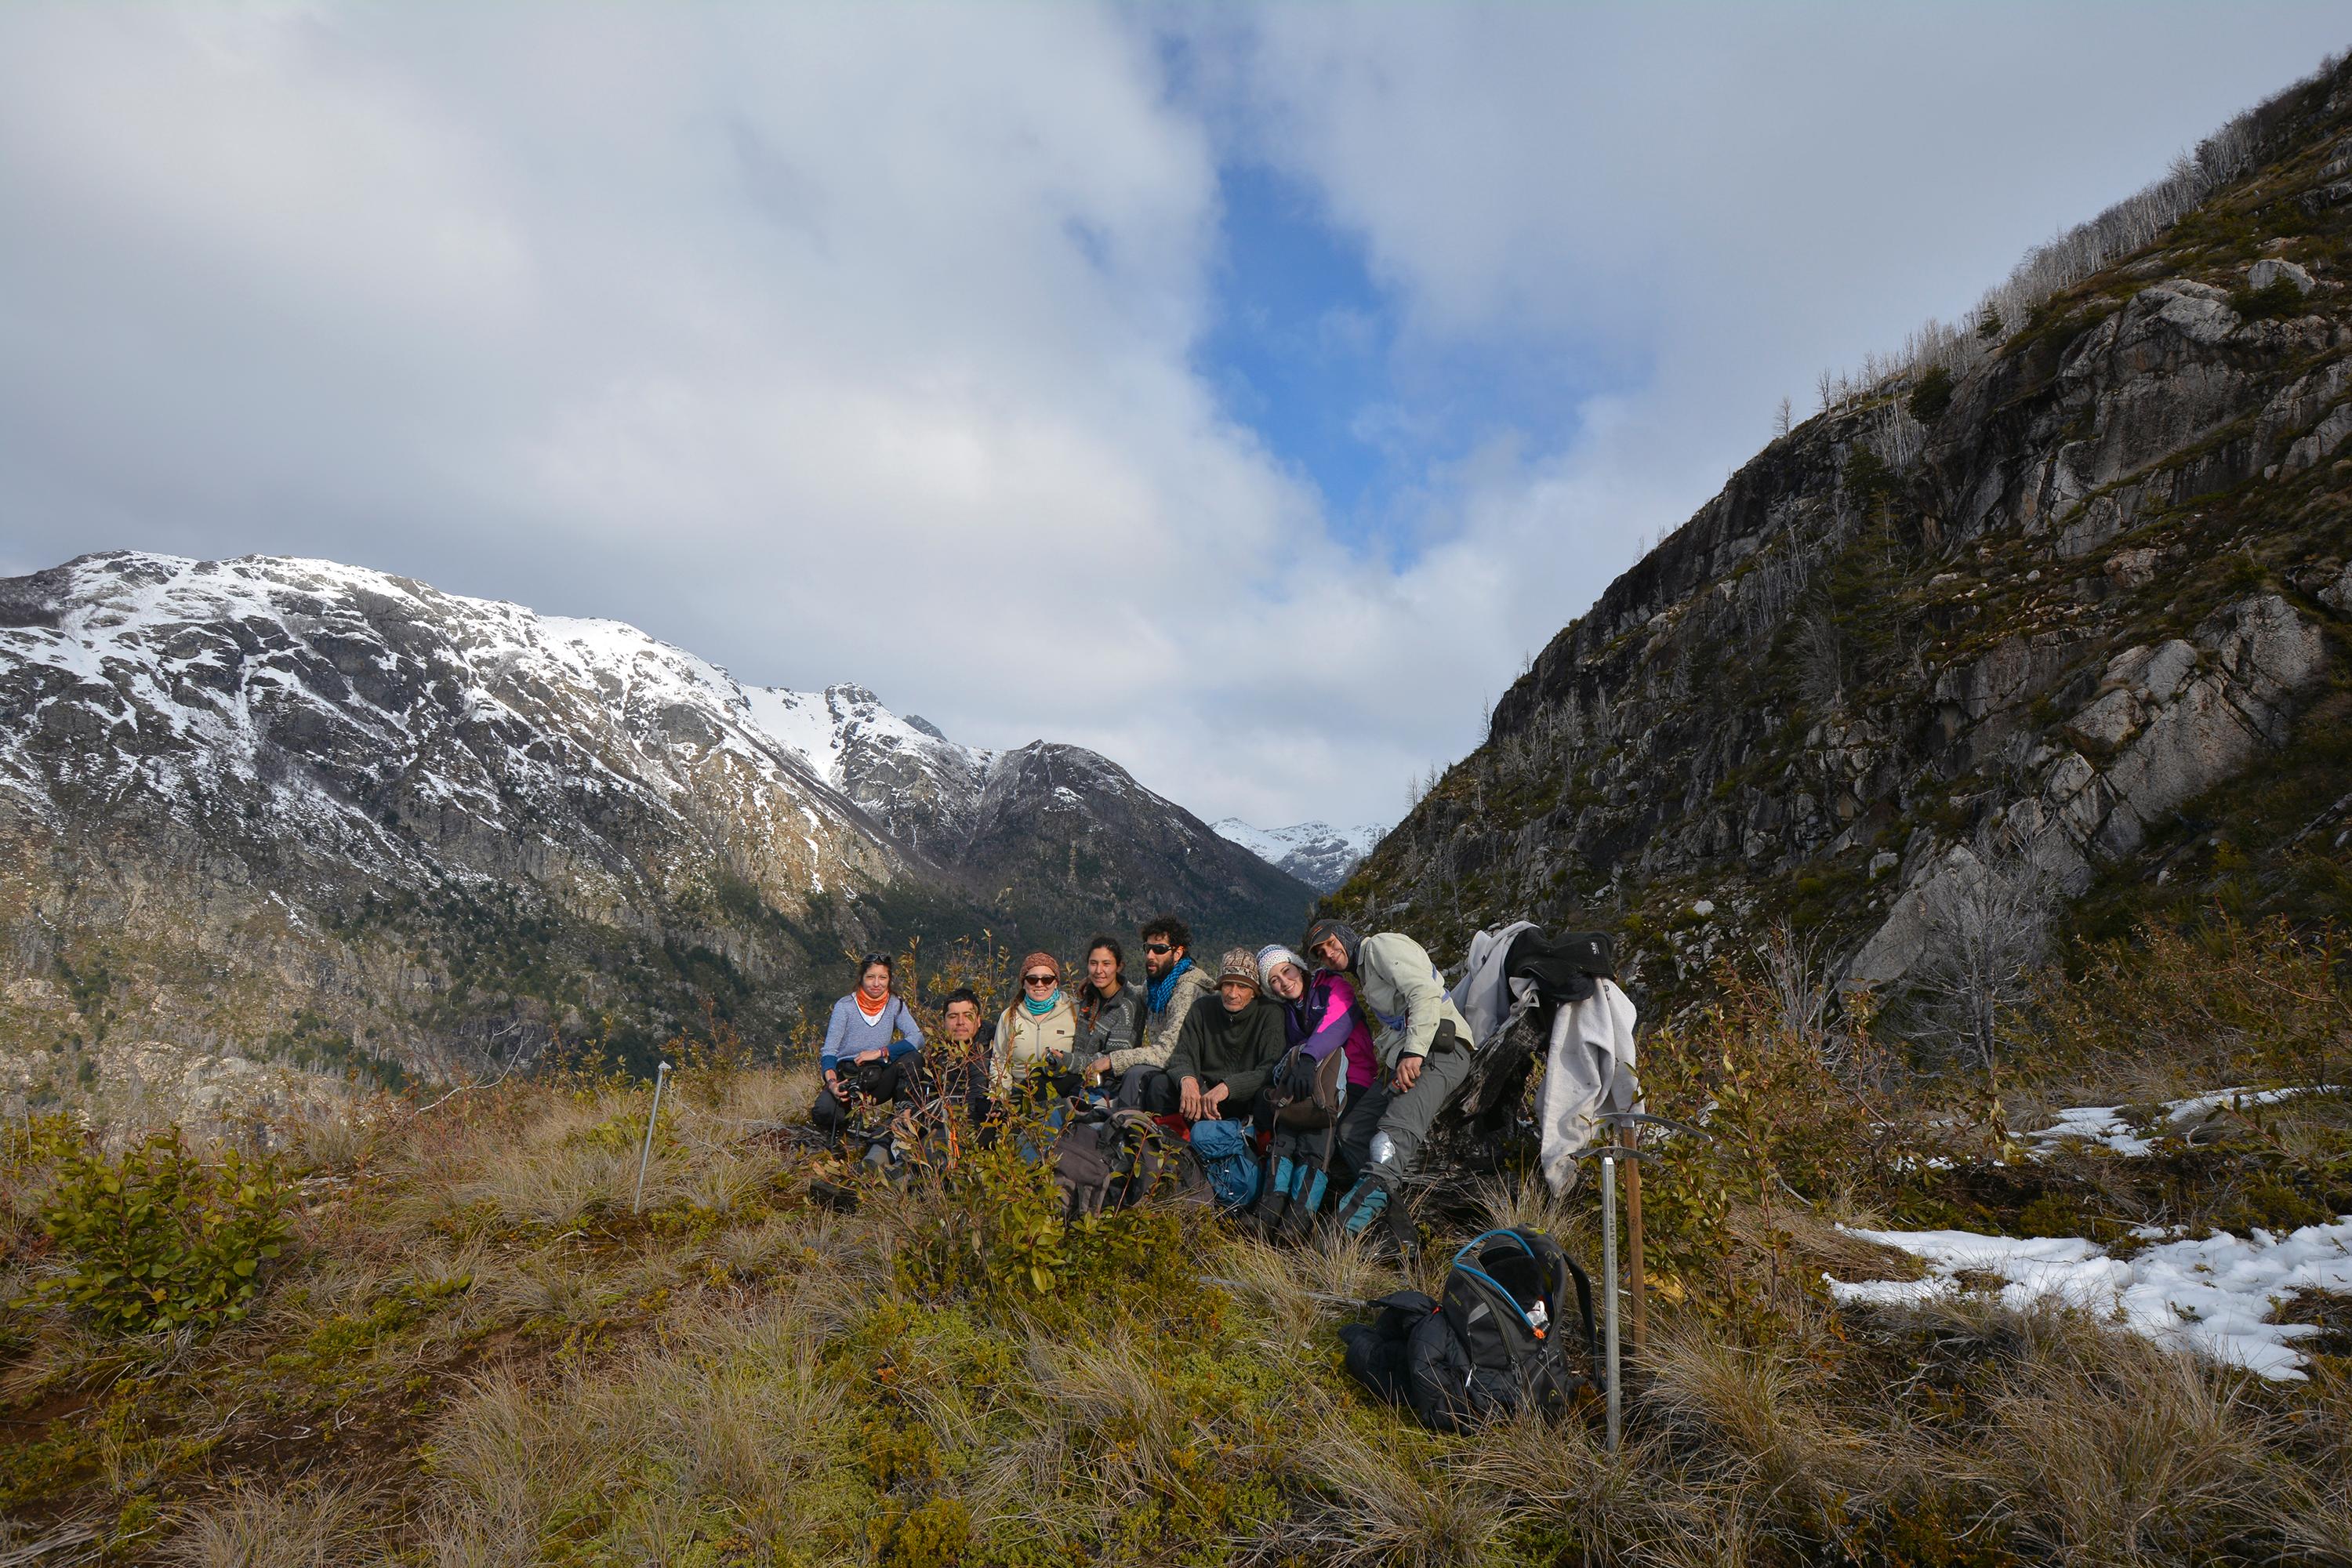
x=1212 y=1100
x=875 y=1054
x=1189 y=1101
x=1408 y=1073
x=833 y=1083
x=1100 y=1066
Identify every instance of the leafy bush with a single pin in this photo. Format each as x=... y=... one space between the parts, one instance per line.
x=1787 y=1106
x=2281 y=299
x=935 y=1535
x=994 y=1229
x=2225 y=1001
x=157 y=1240
x=1932 y=396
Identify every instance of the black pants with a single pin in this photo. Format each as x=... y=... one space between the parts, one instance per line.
x=1358 y=1119
x=893 y=1079
x=1149 y=1090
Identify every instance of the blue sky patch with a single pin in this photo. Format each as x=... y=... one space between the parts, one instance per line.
x=1313 y=353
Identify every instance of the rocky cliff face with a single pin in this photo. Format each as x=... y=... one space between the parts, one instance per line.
x=2078 y=605
x=294 y=809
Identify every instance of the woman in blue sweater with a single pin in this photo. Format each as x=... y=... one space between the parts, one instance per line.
x=872 y=1047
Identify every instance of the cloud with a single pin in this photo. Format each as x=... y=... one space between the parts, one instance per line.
x=853 y=343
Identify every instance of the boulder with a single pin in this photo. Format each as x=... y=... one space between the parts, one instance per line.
x=2271 y=269
x=2337 y=596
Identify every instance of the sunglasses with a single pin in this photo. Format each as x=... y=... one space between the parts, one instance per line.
x=1156 y=947
x=1039 y=979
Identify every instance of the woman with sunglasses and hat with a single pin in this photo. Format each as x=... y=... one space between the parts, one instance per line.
x=872 y=1047
x=1038 y=1032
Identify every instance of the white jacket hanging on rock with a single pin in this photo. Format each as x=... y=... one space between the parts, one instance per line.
x=1590 y=1071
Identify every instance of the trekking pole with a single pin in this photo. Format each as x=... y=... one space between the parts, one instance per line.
x=1609 y=1288
x=1637 y=1284
x=646 y=1158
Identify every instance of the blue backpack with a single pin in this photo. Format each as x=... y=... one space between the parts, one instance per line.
x=1225 y=1155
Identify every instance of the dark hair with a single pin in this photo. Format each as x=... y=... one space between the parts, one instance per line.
x=1118 y=953
x=871 y=960
x=1178 y=933
x=960 y=994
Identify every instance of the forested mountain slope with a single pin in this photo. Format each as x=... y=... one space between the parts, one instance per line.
x=272 y=807
x=2054 y=609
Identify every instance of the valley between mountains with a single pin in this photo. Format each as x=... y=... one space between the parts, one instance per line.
x=1968 y=784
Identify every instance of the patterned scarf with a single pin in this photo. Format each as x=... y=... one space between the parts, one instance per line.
x=1161 y=989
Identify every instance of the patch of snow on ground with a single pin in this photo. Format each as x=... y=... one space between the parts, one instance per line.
x=2215 y=1296
x=2104 y=1124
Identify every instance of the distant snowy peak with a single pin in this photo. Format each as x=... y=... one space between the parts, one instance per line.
x=1317 y=853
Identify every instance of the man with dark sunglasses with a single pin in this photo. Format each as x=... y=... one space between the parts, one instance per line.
x=1172 y=983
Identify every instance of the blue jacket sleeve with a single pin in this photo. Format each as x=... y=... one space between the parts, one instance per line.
x=836 y=1029
x=908 y=1028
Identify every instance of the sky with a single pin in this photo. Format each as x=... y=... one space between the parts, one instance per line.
x=1246 y=392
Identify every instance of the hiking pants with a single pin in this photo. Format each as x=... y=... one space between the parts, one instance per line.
x=1407 y=1117
x=1358 y=1119
x=894 y=1080
x=1149 y=1090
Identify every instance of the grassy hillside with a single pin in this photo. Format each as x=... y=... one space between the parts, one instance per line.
x=468 y=1349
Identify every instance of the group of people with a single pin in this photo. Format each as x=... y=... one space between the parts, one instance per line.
x=1184 y=1042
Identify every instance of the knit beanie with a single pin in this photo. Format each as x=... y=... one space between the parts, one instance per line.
x=1240 y=964
x=1348 y=941
x=1274 y=953
x=1039 y=960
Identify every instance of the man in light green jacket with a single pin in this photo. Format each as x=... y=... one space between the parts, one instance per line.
x=1424 y=1047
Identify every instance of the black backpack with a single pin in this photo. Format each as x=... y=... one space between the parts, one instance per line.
x=1306 y=1095
x=1115 y=1161
x=1501 y=1340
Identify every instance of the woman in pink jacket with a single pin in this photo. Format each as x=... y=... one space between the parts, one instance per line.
x=1319 y=1016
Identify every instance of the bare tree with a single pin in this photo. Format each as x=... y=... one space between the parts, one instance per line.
x=1987 y=930
x=1794 y=972
x=1821 y=660
x=1781 y=419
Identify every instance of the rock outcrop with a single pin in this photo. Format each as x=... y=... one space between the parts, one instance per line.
x=2040 y=603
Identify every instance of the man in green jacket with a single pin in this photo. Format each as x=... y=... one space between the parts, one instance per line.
x=1423 y=1044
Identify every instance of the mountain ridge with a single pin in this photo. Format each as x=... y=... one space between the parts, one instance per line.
x=272 y=801
x=1317 y=853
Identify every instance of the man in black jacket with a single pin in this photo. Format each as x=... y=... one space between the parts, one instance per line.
x=1224 y=1053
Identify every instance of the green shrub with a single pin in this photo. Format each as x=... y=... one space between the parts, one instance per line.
x=1932 y=396
x=997 y=1229
x=2281 y=299
x=157 y=1240
x=935 y=1535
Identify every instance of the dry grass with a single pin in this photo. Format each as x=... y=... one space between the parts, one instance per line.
x=526 y=1371
x=300 y=1526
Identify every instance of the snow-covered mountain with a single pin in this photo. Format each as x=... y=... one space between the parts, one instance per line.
x=1317 y=853
x=265 y=796
x=1055 y=830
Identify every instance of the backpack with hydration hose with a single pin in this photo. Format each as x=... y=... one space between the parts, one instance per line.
x=1502 y=1337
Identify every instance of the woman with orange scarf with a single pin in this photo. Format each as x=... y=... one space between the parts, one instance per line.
x=872 y=1045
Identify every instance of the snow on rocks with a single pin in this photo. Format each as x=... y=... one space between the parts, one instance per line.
x=1317 y=853
x=2216 y=1296
x=2106 y=1126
